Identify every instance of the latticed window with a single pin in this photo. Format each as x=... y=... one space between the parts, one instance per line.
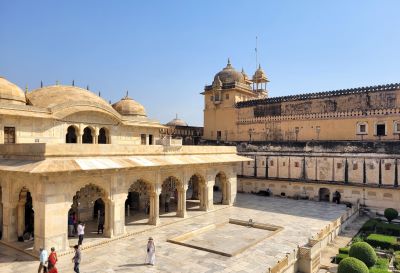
x=9 y=135
x=143 y=139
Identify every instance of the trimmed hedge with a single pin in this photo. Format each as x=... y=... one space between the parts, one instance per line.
x=344 y=250
x=391 y=214
x=339 y=257
x=396 y=261
x=388 y=229
x=369 y=226
x=364 y=252
x=383 y=241
x=352 y=265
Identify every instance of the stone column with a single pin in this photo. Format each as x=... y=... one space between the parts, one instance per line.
x=115 y=223
x=21 y=218
x=96 y=136
x=181 y=210
x=207 y=195
x=51 y=224
x=231 y=189
x=9 y=221
x=154 y=218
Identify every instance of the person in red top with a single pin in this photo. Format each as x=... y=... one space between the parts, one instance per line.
x=52 y=261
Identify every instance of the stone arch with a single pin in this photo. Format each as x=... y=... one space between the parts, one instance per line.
x=137 y=203
x=324 y=194
x=104 y=136
x=195 y=192
x=25 y=214
x=72 y=134
x=169 y=193
x=88 y=135
x=222 y=185
x=89 y=203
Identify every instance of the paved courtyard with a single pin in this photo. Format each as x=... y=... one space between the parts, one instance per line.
x=299 y=219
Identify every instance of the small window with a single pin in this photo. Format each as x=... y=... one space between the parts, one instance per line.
x=283 y=163
x=143 y=139
x=227 y=96
x=248 y=163
x=396 y=127
x=150 y=139
x=355 y=166
x=219 y=135
x=9 y=135
x=388 y=166
x=339 y=165
x=363 y=128
x=380 y=129
x=271 y=163
x=371 y=166
x=296 y=164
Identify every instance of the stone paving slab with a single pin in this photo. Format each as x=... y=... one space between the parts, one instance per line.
x=300 y=219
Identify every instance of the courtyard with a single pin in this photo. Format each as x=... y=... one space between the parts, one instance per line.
x=299 y=219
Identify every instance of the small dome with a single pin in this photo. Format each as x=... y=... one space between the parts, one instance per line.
x=129 y=107
x=260 y=76
x=11 y=93
x=229 y=75
x=177 y=122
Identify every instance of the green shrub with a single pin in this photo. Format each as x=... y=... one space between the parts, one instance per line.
x=382 y=263
x=391 y=214
x=369 y=226
x=388 y=229
x=378 y=270
x=344 y=250
x=339 y=257
x=383 y=241
x=364 y=252
x=352 y=265
x=396 y=261
x=358 y=239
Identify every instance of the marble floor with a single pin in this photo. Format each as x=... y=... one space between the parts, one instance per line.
x=300 y=220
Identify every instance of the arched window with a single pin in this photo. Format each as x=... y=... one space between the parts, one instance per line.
x=71 y=135
x=87 y=135
x=103 y=137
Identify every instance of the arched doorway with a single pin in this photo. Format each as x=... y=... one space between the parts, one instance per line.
x=220 y=189
x=324 y=194
x=137 y=204
x=169 y=196
x=90 y=206
x=71 y=135
x=193 y=193
x=25 y=216
x=103 y=137
x=87 y=136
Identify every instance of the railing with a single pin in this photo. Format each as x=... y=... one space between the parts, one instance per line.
x=169 y=141
x=376 y=112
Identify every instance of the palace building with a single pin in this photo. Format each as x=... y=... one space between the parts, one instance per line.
x=66 y=151
x=238 y=108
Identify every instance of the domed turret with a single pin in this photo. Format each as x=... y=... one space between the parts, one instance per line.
x=129 y=107
x=11 y=93
x=229 y=75
x=177 y=122
x=246 y=78
x=260 y=76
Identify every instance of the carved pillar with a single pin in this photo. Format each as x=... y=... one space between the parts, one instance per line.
x=79 y=135
x=181 y=210
x=9 y=221
x=21 y=218
x=96 y=136
x=207 y=194
x=154 y=218
x=115 y=221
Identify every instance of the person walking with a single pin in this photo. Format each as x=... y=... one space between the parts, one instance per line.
x=77 y=258
x=81 y=232
x=101 y=224
x=151 y=252
x=43 y=256
x=52 y=261
x=75 y=223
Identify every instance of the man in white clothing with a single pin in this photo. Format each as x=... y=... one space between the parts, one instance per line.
x=81 y=232
x=43 y=255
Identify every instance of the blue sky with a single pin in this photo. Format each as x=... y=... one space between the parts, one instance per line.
x=164 y=52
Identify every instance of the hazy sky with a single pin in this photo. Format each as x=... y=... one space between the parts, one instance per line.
x=164 y=52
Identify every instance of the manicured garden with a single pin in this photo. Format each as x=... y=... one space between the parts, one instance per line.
x=372 y=250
